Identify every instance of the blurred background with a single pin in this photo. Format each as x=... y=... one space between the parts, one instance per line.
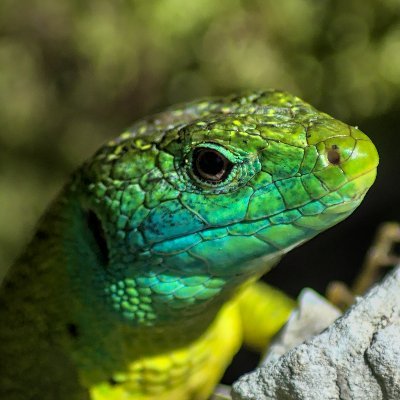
x=74 y=73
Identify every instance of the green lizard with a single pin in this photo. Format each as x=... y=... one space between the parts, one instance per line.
x=139 y=282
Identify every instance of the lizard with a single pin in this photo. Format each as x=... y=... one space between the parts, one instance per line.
x=141 y=279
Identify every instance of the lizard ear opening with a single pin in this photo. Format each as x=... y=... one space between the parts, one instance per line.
x=96 y=228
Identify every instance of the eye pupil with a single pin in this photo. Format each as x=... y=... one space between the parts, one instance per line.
x=210 y=162
x=210 y=165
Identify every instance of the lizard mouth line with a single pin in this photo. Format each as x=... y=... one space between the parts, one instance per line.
x=356 y=197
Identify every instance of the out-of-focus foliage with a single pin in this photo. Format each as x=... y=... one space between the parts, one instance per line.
x=75 y=72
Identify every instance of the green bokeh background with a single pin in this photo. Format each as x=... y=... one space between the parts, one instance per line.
x=74 y=73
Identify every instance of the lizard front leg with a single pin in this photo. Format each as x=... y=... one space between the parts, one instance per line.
x=263 y=310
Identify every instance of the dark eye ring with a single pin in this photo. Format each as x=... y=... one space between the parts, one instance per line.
x=210 y=165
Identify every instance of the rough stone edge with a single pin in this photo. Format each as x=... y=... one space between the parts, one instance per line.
x=313 y=314
x=357 y=357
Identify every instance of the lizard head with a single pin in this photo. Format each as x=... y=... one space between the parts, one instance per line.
x=190 y=204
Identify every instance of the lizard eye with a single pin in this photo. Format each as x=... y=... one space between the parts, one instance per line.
x=210 y=165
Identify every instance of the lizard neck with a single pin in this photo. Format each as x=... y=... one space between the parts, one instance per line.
x=129 y=291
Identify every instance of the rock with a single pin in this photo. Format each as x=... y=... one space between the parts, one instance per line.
x=314 y=314
x=355 y=358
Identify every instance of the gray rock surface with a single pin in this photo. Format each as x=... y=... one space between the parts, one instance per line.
x=313 y=314
x=356 y=358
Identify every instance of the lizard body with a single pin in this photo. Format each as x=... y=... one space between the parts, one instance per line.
x=139 y=282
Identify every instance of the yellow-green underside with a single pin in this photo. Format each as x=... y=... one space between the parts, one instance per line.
x=191 y=373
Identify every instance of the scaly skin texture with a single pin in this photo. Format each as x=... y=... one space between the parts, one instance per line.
x=140 y=280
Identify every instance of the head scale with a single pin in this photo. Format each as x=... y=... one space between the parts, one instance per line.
x=192 y=203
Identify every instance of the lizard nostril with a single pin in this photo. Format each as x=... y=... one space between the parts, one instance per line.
x=334 y=155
